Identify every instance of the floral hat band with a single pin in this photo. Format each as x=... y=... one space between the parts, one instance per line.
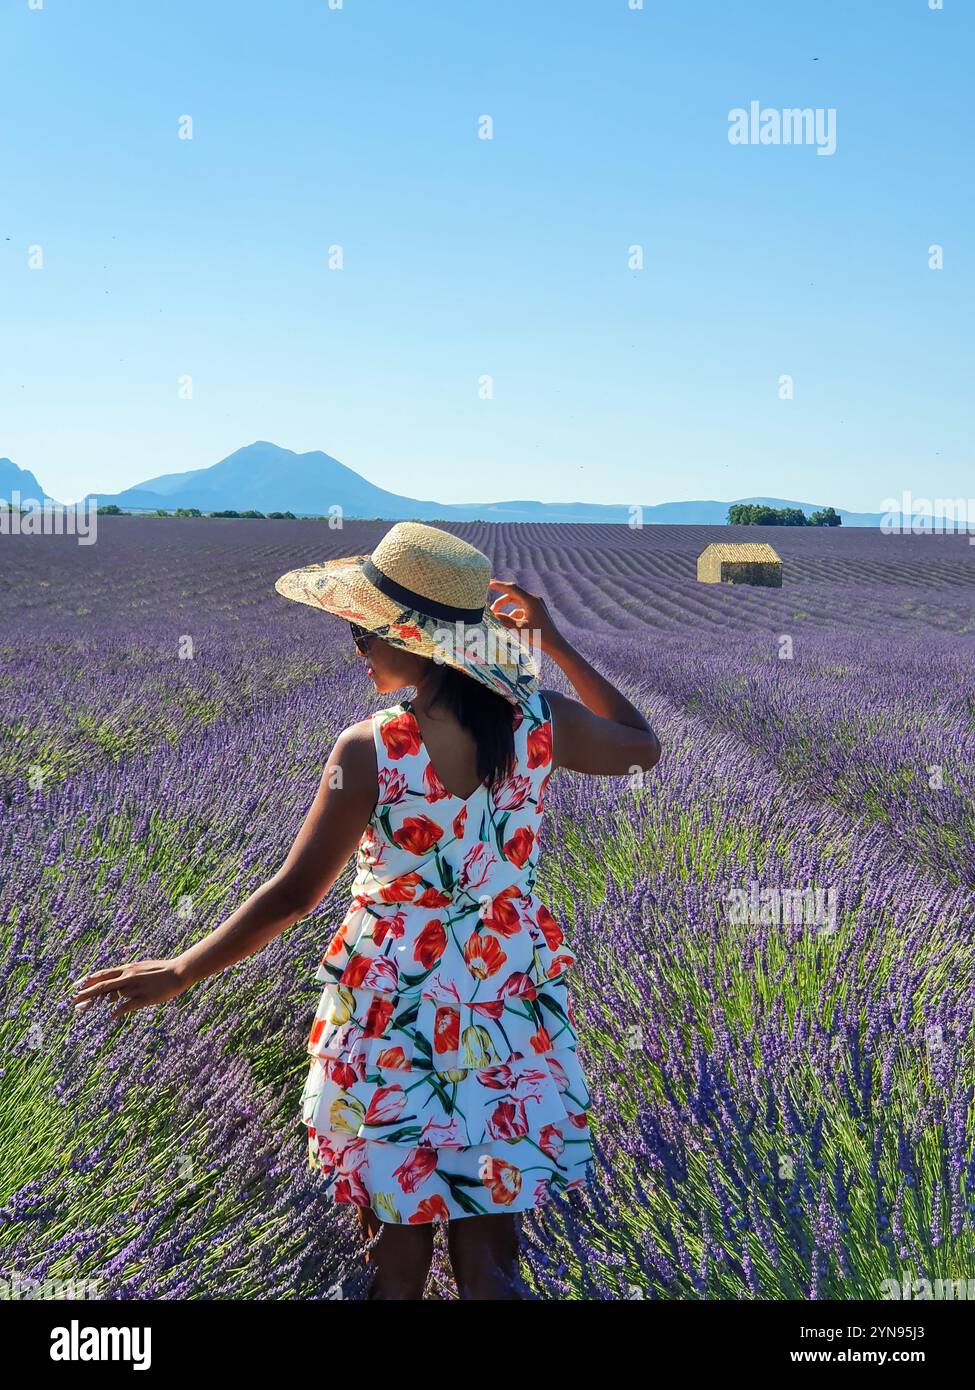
x=416 y=581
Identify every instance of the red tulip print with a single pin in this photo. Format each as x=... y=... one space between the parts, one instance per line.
x=418 y=834
x=401 y=736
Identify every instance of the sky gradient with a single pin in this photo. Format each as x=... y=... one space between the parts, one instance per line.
x=166 y=258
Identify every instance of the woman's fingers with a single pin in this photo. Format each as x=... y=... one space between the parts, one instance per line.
x=118 y=978
x=103 y=987
x=100 y=981
x=513 y=619
x=135 y=986
x=111 y=972
x=513 y=590
x=128 y=990
x=512 y=593
x=498 y=605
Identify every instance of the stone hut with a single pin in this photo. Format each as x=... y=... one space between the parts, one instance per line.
x=743 y=563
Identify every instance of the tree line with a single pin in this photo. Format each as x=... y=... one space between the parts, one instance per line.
x=757 y=514
x=112 y=509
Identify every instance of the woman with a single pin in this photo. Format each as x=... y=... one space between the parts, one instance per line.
x=443 y=1081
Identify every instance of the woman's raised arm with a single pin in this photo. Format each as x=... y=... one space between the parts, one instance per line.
x=604 y=734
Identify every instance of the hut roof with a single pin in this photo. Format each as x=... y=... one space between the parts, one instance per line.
x=750 y=552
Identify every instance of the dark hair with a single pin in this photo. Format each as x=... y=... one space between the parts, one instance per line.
x=485 y=714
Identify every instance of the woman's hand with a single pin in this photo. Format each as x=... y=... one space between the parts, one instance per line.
x=139 y=986
x=531 y=613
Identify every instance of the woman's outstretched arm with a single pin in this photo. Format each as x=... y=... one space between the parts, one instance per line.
x=337 y=817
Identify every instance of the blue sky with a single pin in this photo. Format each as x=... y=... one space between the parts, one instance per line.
x=464 y=258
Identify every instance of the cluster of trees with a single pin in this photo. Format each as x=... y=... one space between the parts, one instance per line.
x=255 y=516
x=240 y=516
x=757 y=514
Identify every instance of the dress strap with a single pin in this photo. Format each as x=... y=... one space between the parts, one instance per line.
x=532 y=743
x=400 y=752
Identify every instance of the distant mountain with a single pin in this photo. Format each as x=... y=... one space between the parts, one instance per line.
x=263 y=477
x=14 y=479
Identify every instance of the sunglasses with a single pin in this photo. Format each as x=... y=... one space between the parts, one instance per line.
x=361 y=636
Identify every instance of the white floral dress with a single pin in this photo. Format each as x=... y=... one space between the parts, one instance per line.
x=443 y=1080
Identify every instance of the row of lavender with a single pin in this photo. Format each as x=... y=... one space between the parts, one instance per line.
x=886 y=730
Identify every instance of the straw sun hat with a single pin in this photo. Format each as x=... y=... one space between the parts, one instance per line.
x=425 y=590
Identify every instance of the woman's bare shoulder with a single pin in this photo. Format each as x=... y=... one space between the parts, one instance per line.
x=355 y=749
x=361 y=731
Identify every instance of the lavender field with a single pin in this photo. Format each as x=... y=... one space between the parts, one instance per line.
x=783 y=1105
